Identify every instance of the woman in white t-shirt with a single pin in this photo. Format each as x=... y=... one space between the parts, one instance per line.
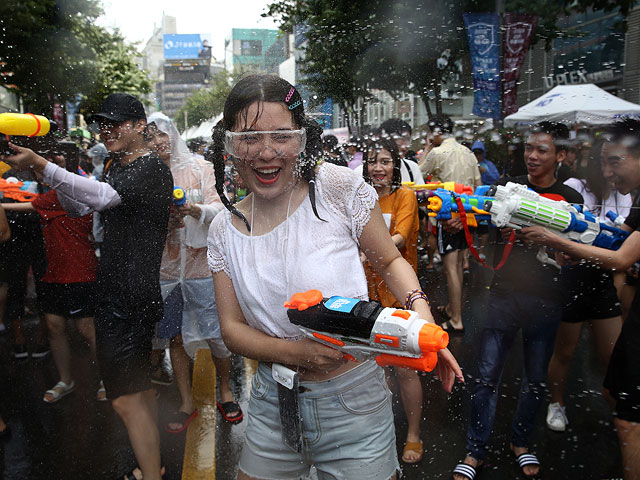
x=591 y=294
x=301 y=228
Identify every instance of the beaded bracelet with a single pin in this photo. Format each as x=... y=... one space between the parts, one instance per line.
x=413 y=296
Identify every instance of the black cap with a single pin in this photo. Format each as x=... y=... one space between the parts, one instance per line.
x=120 y=107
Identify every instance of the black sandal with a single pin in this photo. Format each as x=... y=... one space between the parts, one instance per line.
x=447 y=327
x=183 y=419
x=230 y=411
x=441 y=310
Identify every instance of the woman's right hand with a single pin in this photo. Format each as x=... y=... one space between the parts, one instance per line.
x=316 y=357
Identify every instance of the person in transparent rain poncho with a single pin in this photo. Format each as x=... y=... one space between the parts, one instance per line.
x=191 y=316
x=301 y=228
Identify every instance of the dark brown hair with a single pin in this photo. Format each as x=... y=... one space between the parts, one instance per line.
x=265 y=88
x=371 y=152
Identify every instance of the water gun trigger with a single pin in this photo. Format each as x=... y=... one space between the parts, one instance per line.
x=303 y=300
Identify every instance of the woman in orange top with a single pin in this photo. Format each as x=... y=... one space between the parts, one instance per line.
x=400 y=210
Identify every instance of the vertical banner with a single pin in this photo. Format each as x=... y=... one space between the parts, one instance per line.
x=482 y=34
x=518 y=33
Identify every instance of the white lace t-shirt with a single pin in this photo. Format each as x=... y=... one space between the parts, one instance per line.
x=300 y=254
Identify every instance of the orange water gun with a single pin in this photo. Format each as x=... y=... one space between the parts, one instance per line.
x=17 y=190
x=365 y=329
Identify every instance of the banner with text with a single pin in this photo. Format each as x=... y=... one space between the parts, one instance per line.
x=517 y=38
x=482 y=34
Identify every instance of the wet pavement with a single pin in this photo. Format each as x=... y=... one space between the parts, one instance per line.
x=79 y=437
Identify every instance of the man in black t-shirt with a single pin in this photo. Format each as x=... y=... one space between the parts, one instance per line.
x=621 y=164
x=524 y=296
x=135 y=201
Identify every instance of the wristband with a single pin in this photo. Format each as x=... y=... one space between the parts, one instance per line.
x=413 y=296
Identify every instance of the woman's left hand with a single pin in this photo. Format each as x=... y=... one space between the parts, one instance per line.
x=190 y=209
x=447 y=369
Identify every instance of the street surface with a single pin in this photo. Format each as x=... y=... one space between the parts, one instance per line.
x=81 y=438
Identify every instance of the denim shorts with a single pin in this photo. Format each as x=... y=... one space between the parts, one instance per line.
x=347 y=423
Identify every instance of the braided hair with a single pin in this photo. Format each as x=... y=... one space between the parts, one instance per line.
x=265 y=88
x=371 y=152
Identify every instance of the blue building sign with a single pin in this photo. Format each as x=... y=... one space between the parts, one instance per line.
x=186 y=46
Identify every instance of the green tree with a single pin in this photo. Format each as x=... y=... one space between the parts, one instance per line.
x=51 y=50
x=40 y=52
x=206 y=102
x=355 y=46
x=115 y=69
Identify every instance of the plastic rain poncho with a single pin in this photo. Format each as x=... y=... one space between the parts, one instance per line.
x=184 y=260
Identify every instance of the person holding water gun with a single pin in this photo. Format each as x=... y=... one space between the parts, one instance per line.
x=399 y=207
x=190 y=315
x=135 y=200
x=302 y=228
x=620 y=157
x=67 y=289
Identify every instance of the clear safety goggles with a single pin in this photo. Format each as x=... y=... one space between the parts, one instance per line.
x=249 y=145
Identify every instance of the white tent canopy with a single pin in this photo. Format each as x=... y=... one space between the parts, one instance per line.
x=203 y=130
x=574 y=104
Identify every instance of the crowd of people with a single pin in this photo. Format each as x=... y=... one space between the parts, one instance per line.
x=272 y=208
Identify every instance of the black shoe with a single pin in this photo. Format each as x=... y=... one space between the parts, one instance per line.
x=20 y=351
x=41 y=351
x=160 y=377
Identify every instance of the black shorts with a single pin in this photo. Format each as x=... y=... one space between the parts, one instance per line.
x=623 y=375
x=123 y=345
x=14 y=270
x=450 y=242
x=69 y=300
x=591 y=295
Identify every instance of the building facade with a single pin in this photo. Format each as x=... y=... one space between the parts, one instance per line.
x=249 y=49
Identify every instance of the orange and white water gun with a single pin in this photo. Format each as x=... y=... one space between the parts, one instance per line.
x=365 y=329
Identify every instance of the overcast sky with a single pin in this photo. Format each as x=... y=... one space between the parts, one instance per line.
x=215 y=17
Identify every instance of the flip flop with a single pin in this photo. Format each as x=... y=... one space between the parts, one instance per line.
x=413 y=447
x=183 y=419
x=447 y=327
x=466 y=470
x=58 y=391
x=441 y=310
x=528 y=459
x=226 y=410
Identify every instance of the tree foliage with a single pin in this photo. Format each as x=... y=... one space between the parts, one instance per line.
x=400 y=46
x=206 y=102
x=52 y=51
x=115 y=70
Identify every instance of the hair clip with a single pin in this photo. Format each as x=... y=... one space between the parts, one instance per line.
x=295 y=104
x=289 y=95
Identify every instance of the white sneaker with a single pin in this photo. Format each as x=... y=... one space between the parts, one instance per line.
x=437 y=258
x=557 y=418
